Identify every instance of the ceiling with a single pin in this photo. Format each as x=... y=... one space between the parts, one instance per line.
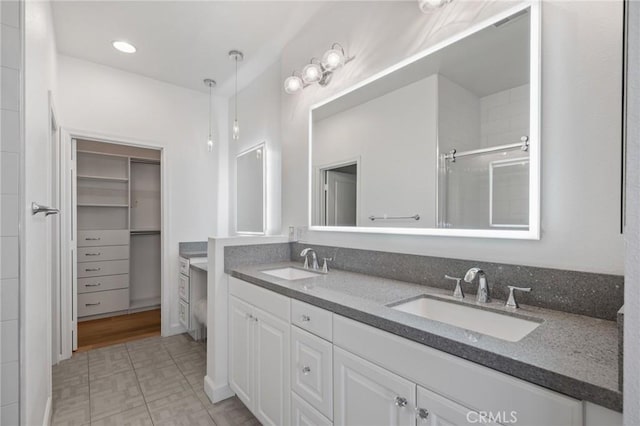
x=181 y=42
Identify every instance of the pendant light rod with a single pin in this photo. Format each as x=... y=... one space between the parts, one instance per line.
x=237 y=56
x=210 y=83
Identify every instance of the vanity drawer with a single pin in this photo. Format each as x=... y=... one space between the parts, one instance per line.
x=109 y=267
x=312 y=370
x=103 y=238
x=102 y=302
x=93 y=254
x=184 y=266
x=303 y=414
x=313 y=319
x=111 y=282
x=184 y=314
x=183 y=288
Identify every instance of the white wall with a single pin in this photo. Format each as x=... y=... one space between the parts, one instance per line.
x=103 y=100
x=398 y=129
x=581 y=85
x=259 y=117
x=35 y=317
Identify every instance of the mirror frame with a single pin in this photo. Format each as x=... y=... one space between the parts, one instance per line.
x=533 y=233
x=263 y=146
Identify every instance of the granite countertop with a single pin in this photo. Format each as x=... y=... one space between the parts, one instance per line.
x=190 y=254
x=572 y=354
x=203 y=266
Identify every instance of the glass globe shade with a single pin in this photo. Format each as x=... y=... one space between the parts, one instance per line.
x=312 y=73
x=333 y=59
x=293 y=84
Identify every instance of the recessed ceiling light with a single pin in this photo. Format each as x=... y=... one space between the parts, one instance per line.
x=124 y=46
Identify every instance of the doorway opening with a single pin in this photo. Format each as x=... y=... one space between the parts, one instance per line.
x=339 y=194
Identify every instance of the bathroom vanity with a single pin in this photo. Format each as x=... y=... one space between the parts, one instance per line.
x=331 y=349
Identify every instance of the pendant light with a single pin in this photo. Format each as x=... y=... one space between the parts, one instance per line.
x=210 y=83
x=236 y=55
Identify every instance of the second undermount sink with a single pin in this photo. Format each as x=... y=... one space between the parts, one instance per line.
x=502 y=326
x=290 y=274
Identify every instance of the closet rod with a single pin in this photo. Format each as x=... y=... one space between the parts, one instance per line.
x=145 y=232
x=144 y=161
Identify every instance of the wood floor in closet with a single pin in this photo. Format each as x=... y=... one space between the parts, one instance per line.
x=119 y=329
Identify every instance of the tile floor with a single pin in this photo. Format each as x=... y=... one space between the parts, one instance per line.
x=155 y=381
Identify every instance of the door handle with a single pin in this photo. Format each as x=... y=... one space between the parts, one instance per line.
x=37 y=208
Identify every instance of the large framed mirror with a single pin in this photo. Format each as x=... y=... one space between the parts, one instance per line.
x=446 y=142
x=251 y=184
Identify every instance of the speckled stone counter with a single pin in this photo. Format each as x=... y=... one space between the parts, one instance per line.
x=572 y=354
x=193 y=249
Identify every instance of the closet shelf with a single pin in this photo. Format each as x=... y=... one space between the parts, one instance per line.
x=144 y=231
x=102 y=205
x=103 y=178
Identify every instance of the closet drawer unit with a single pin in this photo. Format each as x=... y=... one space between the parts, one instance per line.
x=183 y=288
x=109 y=267
x=313 y=319
x=103 y=238
x=312 y=370
x=184 y=266
x=102 y=302
x=183 y=314
x=94 y=254
x=111 y=282
x=302 y=414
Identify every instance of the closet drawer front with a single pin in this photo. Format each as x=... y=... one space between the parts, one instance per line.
x=183 y=288
x=96 y=269
x=94 y=254
x=184 y=266
x=302 y=414
x=102 y=302
x=111 y=282
x=103 y=238
x=313 y=319
x=184 y=314
x=312 y=370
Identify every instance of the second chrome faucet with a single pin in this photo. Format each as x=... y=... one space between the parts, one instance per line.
x=483 y=294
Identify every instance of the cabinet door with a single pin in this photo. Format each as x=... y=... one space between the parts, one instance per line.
x=303 y=414
x=367 y=395
x=272 y=355
x=241 y=350
x=436 y=410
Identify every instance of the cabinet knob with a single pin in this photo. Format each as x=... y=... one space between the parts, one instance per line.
x=305 y=318
x=400 y=401
x=306 y=370
x=422 y=414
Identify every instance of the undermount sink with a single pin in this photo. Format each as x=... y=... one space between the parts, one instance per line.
x=290 y=274
x=502 y=326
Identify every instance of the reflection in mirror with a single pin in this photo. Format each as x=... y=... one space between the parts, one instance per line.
x=441 y=142
x=251 y=191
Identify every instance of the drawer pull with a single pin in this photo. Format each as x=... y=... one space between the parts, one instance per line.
x=92 y=269
x=92 y=254
x=93 y=285
x=400 y=401
x=92 y=239
x=91 y=304
x=305 y=318
x=306 y=370
x=422 y=414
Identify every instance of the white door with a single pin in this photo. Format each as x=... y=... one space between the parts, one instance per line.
x=435 y=410
x=273 y=389
x=56 y=270
x=241 y=350
x=341 y=201
x=367 y=395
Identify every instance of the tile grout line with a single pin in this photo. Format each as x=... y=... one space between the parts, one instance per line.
x=146 y=404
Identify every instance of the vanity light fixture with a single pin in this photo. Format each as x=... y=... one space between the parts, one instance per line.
x=318 y=71
x=123 y=46
x=210 y=83
x=236 y=55
x=427 y=6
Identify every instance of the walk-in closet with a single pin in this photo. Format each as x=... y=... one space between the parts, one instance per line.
x=119 y=226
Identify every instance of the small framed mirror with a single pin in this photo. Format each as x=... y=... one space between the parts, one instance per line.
x=446 y=142
x=251 y=194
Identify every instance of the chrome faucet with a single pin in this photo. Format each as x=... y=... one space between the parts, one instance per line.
x=483 y=295
x=314 y=259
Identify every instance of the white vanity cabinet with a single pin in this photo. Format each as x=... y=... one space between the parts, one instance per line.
x=259 y=351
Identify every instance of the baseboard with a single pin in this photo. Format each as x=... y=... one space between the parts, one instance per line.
x=217 y=394
x=46 y=421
